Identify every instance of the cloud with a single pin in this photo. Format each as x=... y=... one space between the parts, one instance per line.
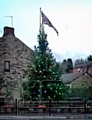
x=73 y=56
x=73 y=20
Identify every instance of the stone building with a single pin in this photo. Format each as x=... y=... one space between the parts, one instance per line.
x=81 y=81
x=78 y=80
x=15 y=58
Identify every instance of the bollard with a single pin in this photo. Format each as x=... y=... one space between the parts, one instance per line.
x=16 y=107
x=85 y=110
x=49 y=107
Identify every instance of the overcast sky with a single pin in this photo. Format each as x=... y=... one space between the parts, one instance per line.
x=72 y=19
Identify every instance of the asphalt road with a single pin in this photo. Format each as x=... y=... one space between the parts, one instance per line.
x=54 y=117
x=45 y=119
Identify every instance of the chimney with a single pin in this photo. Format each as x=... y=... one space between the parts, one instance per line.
x=8 y=31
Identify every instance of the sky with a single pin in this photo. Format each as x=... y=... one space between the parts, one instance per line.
x=72 y=19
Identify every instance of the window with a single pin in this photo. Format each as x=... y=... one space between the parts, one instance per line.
x=7 y=66
x=78 y=70
x=89 y=71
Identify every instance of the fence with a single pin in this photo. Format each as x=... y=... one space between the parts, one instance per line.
x=46 y=107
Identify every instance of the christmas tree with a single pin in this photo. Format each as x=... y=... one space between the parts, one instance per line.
x=45 y=82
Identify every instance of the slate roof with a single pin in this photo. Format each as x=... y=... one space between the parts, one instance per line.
x=87 y=64
x=68 y=78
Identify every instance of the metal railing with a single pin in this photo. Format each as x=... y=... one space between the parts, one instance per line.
x=46 y=107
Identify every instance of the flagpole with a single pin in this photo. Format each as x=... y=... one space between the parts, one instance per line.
x=40 y=20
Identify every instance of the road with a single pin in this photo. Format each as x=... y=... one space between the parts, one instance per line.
x=46 y=117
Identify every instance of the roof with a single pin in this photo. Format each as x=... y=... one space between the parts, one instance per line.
x=10 y=31
x=87 y=64
x=68 y=78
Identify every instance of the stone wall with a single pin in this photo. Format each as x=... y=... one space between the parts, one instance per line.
x=83 y=80
x=20 y=56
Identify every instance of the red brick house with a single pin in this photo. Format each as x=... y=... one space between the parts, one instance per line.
x=83 y=67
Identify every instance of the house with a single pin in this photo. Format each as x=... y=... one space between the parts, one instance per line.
x=83 y=67
x=77 y=80
x=15 y=58
x=80 y=81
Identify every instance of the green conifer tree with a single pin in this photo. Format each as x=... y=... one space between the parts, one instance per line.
x=45 y=82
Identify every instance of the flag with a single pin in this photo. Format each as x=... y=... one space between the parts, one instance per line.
x=46 y=21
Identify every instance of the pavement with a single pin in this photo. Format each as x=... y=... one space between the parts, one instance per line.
x=62 y=117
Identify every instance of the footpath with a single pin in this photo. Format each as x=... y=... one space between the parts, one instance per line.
x=52 y=117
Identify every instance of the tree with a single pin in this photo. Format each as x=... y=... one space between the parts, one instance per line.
x=79 y=61
x=83 y=92
x=64 y=66
x=59 y=66
x=46 y=75
x=89 y=58
x=67 y=65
